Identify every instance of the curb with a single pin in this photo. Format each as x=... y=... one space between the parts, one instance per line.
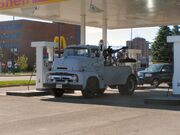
x=172 y=101
x=17 y=85
x=28 y=93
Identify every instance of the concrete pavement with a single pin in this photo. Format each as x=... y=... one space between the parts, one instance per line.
x=110 y=114
x=8 y=78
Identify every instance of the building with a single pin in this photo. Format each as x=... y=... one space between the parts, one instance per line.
x=138 y=49
x=16 y=37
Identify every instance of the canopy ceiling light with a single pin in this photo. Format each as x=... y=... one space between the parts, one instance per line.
x=94 y=9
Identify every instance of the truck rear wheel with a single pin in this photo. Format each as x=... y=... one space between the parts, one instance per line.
x=129 y=87
x=92 y=86
x=57 y=93
x=100 y=91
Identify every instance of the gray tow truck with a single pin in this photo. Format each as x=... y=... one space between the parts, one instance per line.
x=85 y=68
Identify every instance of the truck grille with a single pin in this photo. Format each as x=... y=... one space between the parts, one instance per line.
x=61 y=73
x=62 y=77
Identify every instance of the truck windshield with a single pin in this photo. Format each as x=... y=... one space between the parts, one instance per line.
x=76 y=52
x=154 y=68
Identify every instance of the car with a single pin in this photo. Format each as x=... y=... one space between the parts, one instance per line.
x=156 y=74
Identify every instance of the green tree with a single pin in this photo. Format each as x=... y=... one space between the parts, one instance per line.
x=22 y=62
x=161 y=50
x=175 y=30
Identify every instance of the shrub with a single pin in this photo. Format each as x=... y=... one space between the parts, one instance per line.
x=22 y=62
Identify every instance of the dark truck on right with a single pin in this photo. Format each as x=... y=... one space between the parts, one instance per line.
x=156 y=74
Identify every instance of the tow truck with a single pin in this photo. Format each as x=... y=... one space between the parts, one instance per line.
x=87 y=68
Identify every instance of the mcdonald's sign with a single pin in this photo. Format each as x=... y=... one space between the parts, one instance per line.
x=63 y=43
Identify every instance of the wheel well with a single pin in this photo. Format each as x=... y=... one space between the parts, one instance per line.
x=94 y=78
x=156 y=78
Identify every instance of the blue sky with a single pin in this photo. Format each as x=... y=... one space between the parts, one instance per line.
x=117 y=37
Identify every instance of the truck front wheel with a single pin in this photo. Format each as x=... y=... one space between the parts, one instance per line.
x=92 y=86
x=57 y=93
x=129 y=87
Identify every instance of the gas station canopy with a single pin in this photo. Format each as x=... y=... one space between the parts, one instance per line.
x=120 y=13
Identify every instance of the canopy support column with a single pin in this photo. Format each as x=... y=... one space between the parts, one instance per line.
x=104 y=25
x=83 y=22
x=176 y=75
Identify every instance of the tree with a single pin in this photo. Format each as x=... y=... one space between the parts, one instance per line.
x=175 y=30
x=22 y=62
x=161 y=50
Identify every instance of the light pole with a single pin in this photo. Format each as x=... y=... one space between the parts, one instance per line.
x=13 y=54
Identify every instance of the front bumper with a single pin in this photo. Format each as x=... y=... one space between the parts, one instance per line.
x=144 y=80
x=62 y=86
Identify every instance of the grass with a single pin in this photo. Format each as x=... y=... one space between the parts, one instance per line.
x=24 y=73
x=16 y=82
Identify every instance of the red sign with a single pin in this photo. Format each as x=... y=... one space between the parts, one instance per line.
x=8 y=4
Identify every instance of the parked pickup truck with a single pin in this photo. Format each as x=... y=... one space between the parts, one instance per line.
x=84 y=68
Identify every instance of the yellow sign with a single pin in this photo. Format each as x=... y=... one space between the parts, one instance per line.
x=63 y=43
x=56 y=39
x=8 y=4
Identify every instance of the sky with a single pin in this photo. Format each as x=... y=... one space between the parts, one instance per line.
x=117 y=37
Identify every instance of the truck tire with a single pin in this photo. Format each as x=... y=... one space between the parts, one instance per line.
x=129 y=87
x=100 y=92
x=57 y=93
x=92 y=86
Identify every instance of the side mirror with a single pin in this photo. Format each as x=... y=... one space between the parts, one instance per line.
x=163 y=70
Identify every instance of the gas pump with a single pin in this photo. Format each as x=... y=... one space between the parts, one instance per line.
x=43 y=62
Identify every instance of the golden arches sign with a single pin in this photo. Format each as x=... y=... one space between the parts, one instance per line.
x=63 y=43
x=9 y=4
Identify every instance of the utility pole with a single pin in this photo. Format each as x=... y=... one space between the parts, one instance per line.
x=12 y=51
x=131 y=33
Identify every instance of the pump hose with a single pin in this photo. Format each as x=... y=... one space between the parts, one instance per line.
x=34 y=70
